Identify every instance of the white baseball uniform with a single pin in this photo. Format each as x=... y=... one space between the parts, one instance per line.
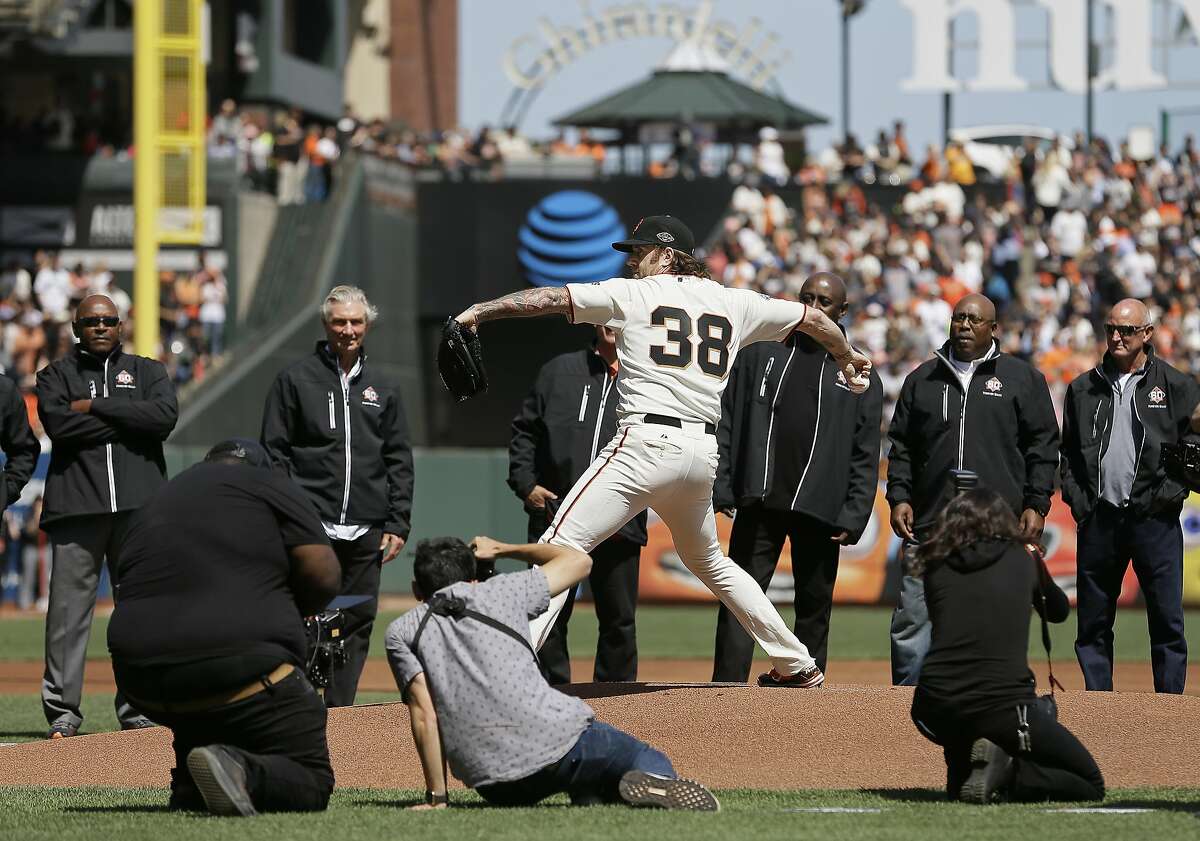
x=677 y=337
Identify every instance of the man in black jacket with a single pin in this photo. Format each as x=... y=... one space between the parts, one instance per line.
x=337 y=425
x=568 y=417
x=970 y=408
x=799 y=461
x=1116 y=418
x=107 y=413
x=17 y=441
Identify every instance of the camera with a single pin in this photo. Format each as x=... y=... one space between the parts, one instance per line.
x=484 y=569
x=326 y=646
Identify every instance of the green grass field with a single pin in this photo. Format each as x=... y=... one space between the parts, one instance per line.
x=83 y=814
x=676 y=632
x=856 y=633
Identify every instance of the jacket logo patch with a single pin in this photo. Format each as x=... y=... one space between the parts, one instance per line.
x=1158 y=398
x=125 y=380
x=840 y=382
x=992 y=387
x=370 y=396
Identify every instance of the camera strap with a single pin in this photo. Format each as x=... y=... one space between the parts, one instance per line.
x=1042 y=575
x=456 y=608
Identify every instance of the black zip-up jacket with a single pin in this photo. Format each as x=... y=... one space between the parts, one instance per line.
x=20 y=447
x=350 y=453
x=841 y=472
x=1163 y=402
x=979 y=601
x=567 y=418
x=111 y=458
x=1004 y=429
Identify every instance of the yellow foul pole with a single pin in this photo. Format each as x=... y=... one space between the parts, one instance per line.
x=147 y=186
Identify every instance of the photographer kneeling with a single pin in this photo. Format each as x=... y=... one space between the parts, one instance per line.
x=207 y=636
x=467 y=670
x=976 y=695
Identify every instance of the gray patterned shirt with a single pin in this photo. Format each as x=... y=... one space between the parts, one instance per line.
x=499 y=719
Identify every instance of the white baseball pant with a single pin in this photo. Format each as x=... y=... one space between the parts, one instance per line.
x=670 y=470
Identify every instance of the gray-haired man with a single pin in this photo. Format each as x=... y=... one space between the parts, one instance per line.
x=337 y=425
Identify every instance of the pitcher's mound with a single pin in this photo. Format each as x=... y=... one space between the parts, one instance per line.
x=727 y=736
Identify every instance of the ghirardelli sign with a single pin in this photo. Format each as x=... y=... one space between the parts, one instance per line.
x=533 y=58
x=1130 y=69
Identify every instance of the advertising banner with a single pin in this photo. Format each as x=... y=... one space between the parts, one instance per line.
x=869 y=572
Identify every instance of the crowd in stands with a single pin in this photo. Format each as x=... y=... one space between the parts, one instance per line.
x=36 y=306
x=1067 y=233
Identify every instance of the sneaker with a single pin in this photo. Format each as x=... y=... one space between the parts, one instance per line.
x=221 y=780
x=639 y=788
x=991 y=772
x=139 y=723
x=809 y=678
x=62 y=730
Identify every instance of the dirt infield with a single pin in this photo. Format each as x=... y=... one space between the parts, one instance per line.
x=727 y=736
x=18 y=678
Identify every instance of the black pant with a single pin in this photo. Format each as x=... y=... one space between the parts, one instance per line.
x=614 y=585
x=361 y=561
x=1108 y=540
x=279 y=736
x=1057 y=766
x=754 y=545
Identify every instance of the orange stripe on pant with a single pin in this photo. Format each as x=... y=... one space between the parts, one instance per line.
x=563 y=518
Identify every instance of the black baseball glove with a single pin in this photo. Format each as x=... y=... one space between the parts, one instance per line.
x=460 y=361
x=1182 y=463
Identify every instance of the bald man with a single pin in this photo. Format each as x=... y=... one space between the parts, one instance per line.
x=1116 y=418
x=107 y=413
x=799 y=460
x=970 y=408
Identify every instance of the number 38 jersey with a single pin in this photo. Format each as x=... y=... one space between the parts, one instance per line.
x=677 y=337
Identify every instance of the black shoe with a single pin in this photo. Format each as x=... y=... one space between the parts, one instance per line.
x=139 y=723
x=991 y=773
x=221 y=780
x=62 y=730
x=639 y=788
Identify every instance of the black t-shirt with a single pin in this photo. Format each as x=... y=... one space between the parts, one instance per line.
x=204 y=602
x=980 y=602
x=795 y=422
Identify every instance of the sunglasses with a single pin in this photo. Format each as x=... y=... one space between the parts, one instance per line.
x=97 y=320
x=969 y=318
x=1123 y=330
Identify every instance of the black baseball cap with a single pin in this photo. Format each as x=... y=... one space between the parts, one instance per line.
x=659 y=231
x=240 y=450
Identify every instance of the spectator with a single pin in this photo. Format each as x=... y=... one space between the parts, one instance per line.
x=336 y=424
x=213 y=297
x=107 y=413
x=970 y=408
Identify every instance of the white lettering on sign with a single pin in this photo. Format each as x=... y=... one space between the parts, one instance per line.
x=112 y=224
x=1130 y=69
x=533 y=58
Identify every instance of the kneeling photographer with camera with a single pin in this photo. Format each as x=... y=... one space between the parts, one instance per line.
x=207 y=637
x=466 y=667
x=976 y=695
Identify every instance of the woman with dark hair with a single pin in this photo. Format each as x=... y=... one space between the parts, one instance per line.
x=976 y=695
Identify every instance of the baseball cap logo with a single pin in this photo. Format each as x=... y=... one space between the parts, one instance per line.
x=665 y=236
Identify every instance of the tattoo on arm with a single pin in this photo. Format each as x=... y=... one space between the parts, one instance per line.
x=545 y=300
x=819 y=326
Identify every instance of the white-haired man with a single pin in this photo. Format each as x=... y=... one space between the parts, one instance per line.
x=337 y=425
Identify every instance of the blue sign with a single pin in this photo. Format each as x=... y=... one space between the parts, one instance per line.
x=568 y=237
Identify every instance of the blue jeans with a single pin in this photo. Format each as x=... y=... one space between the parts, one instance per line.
x=911 y=629
x=589 y=772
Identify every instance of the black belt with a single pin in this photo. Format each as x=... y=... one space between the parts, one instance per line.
x=665 y=420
